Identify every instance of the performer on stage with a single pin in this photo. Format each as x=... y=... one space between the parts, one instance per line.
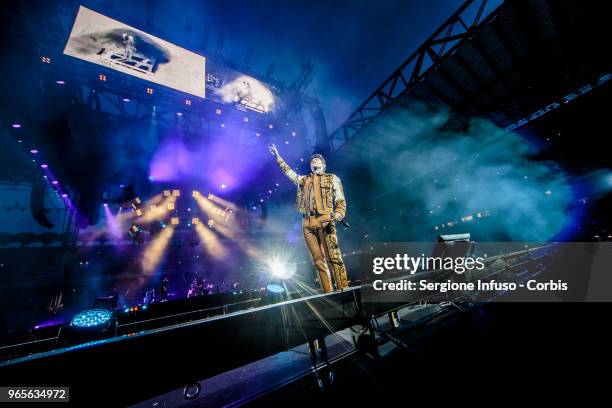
x=320 y=199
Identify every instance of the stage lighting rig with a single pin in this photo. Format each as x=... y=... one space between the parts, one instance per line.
x=280 y=269
x=92 y=318
x=88 y=325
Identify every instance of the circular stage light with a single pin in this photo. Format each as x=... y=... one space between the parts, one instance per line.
x=274 y=288
x=91 y=318
x=280 y=269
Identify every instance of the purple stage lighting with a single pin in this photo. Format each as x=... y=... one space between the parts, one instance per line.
x=55 y=182
x=33 y=151
x=16 y=125
x=60 y=82
x=216 y=163
x=44 y=166
x=113 y=226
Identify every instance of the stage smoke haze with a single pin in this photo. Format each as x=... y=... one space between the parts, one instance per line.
x=427 y=173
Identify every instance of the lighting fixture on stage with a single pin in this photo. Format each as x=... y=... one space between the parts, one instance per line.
x=188 y=102
x=218 y=111
x=195 y=193
x=211 y=223
x=91 y=318
x=167 y=193
x=174 y=220
x=195 y=221
x=102 y=77
x=46 y=60
x=274 y=288
x=16 y=125
x=150 y=91
x=275 y=292
x=135 y=203
x=170 y=206
x=176 y=193
x=92 y=324
x=280 y=269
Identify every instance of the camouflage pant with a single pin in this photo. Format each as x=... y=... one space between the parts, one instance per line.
x=322 y=242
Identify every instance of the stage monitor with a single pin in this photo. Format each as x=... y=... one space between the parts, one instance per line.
x=453 y=246
x=101 y=40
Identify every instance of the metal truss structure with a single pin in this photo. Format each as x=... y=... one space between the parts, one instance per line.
x=515 y=61
x=442 y=41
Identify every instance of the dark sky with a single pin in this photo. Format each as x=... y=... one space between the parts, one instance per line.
x=356 y=44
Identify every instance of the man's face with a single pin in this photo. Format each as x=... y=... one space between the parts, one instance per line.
x=317 y=166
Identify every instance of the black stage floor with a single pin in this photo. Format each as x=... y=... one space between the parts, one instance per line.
x=496 y=350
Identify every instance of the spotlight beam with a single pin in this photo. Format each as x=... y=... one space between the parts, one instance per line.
x=211 y=242
x=155 y=251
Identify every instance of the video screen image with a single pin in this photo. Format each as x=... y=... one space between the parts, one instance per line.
x=104 y=41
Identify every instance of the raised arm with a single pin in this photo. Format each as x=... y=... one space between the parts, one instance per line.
x=292 y=175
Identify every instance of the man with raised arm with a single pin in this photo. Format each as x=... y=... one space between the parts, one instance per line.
x=320 y=200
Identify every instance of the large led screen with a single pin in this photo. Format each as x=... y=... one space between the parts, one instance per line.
x=110 y=43
x=224 y=85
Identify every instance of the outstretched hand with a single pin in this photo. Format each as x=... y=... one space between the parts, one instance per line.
x=273 y=151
